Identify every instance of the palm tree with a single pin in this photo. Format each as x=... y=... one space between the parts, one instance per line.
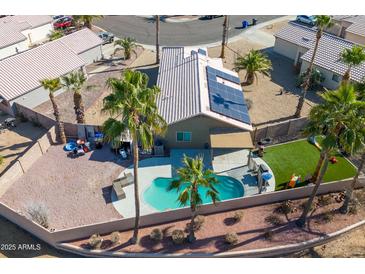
x=132 y=106
x=337 y=118
x=253 y=62
x=74 y=82
x=55 y=34
x=224 y=35
x=128 y=44
x=52 y=85
x=360 y=90
x=191 y=177
x=352 y=57
x=157 y=39
x=86 y=20
x=322 y=22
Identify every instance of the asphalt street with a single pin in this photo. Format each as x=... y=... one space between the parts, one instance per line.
x=197 y=32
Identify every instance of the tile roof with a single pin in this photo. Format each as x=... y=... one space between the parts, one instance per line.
x=32 y=20
x=357 y=23
x=182 y=78
x=81 y=41
x=329 y=50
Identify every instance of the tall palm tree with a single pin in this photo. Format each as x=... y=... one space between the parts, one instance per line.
x=86 y=20
x=52 y=85
x=224 y=35
x=352 y=57
x=132 y=106
x=128 y=44
x=337 y=120
x=191 y=177
x=253 y=62
x=157 y=17
x=322 y=22
x=74 y=82
x=360 y=89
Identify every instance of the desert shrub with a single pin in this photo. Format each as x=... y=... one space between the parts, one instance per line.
x=95 y=241
x=353 y=206
x=156 y=234
x=231 y=238
x=268 y=234
x=273 y=219
x=324 y=200
x=39 y=214
x=114 y=237
x=178 y=236
x=198 y=223
x=238 y=215
x=285 y=207
x=327 y=217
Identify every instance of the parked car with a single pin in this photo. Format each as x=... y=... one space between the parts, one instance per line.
x=306 y=19
x=107 y=37
x=62 y=23
x=56 y=17
x=209 y=17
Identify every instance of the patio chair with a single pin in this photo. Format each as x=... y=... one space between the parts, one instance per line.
x=118 y=190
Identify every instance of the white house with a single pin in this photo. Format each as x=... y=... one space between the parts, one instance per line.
x=20 y=74
x=297 y=43
x=349 y=27
x=20 y=32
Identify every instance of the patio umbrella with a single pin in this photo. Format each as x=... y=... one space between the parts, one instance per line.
x=266 y=176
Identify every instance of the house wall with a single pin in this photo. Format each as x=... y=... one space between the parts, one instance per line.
x=328 y=82
x=355 y=38
x=38 y=34
x=199 y=126
x=34 y=97
x=11 y=50
x=91 y=55
x=286 y=48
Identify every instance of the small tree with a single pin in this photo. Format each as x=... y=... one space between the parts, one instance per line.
x=315 y=80
x=352 y=57
x=191 y=177
x=253 y=62
x=55 y=34
x=128 y=44
x=86 y=20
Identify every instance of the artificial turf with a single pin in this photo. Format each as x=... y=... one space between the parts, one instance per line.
x=300 y=158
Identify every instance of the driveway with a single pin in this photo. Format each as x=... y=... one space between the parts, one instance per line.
x=189 y=33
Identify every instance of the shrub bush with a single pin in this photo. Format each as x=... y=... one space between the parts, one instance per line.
x=285 y=207
x=327 y=217
x=273 y=219
x=268 y=234
x=114 y=237
x=324 y=200
x=39 y=214
x=95 y=241
x=178 y=236
x=231 y=238
x=156 y=235
x=315 y=81
x=198 y=223
x=238 y=215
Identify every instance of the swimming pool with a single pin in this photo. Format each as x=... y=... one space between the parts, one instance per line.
x=157 y=196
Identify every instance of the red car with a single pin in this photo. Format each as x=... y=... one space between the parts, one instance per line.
x=62 y=23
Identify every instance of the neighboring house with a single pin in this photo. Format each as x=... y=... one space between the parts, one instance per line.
x=20 y=32
x=349 y=27
x=201 y=101
x=297 y=43
x=20 y=74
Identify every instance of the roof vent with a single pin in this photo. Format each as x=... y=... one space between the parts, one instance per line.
x=305 y=39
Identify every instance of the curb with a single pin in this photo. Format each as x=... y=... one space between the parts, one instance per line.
x=255 y=253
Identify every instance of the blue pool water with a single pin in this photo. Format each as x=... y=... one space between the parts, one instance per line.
x=157 y=196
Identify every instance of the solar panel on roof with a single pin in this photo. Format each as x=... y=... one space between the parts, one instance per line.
x=224 y=99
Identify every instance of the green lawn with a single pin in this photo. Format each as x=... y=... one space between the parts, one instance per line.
x=300 y=158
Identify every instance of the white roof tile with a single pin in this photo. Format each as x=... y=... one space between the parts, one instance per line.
x=81 y=41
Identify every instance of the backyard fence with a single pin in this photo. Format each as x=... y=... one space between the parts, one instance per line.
x=287 y=129
x=168 y=216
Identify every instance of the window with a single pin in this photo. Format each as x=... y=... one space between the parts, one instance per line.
x=183 y=136
x=336 y=78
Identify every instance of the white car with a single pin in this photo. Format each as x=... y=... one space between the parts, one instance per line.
x=306 y=19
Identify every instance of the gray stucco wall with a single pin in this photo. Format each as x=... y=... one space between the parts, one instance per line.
x=199 y=126
x=91 y=55
x=285 y=48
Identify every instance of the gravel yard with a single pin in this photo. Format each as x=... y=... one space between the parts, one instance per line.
x=74 y=191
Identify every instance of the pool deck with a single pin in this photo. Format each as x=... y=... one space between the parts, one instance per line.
x=230 y=163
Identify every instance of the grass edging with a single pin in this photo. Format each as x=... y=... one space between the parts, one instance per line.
x=255 y=253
